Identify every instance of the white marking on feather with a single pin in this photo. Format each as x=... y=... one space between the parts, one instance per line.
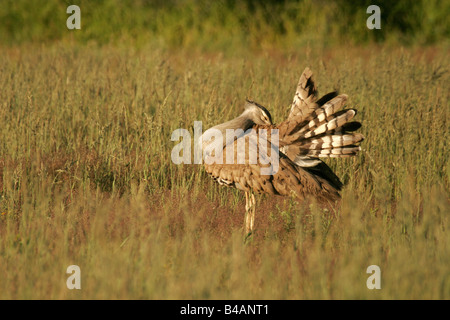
x=321 y=117
x=306 y=161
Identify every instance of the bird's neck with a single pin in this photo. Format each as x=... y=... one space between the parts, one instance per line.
x=242 y=122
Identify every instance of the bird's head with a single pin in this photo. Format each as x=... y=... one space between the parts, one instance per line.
x=257 y=113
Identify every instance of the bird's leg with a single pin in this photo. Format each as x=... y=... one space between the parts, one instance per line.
x=247 y=213
x=246 y=202
x=250 y=209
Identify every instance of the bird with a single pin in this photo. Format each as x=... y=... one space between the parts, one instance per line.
x=315 y=128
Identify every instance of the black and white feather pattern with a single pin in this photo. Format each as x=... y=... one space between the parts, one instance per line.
x=319 y=127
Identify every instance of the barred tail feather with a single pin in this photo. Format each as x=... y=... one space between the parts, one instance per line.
x=334 y=152
x=305 y=96
x=330 y=124
x=318 y=119
x=328 y=140
x=326 y=132
x=318 y=128
x=332 y=141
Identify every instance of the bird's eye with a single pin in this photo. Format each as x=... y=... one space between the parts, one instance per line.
x=264 y=118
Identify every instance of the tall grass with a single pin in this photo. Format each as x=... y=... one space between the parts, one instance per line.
x=227 y=25
x=86 y=177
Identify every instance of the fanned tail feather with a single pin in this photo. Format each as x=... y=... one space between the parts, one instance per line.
x=332 y=141
x=305 y=96
x=325 y=132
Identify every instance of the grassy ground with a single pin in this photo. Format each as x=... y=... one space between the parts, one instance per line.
x=86 y=177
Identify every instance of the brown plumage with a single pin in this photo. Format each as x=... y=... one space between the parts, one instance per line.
x=314 y=128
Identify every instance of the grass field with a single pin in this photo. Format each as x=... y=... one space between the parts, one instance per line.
x=86 y=176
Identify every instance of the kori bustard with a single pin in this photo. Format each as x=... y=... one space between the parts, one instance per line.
x=314 y=128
